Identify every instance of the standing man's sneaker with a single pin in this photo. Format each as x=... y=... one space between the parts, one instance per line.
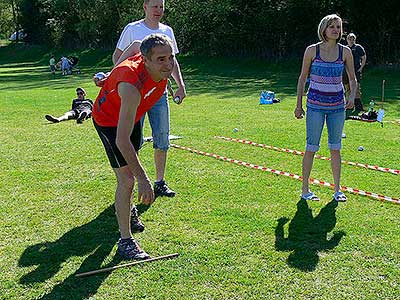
x=51 y=119
x=136 y=224
x=161 y=189
x=82 y=117
x=130 y=249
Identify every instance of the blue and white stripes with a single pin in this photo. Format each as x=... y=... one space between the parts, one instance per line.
x=326 y=89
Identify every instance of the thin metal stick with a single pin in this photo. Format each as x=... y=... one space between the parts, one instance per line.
x=126 y=265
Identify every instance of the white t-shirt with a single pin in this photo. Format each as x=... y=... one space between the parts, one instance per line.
x=138 y=30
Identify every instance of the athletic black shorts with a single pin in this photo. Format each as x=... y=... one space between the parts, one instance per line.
x=108 y=136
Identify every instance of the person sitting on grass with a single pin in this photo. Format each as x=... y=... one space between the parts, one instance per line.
x=81 y=109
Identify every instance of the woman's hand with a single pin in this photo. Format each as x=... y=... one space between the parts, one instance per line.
x=299 y=113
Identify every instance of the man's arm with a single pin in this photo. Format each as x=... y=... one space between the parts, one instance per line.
x=132 y=49
x=116 y=55
x=123 y=42
x=363 y=62
x=363 y=57
x=349 y=65
x=73 y=104
x=130 y=99
x=177 y=75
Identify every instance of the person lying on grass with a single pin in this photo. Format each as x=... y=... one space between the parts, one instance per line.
x=81 y=109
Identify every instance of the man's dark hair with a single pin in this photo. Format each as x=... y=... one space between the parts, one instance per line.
x=154 y=40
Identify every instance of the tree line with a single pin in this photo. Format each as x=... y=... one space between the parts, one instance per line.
x=271 y=29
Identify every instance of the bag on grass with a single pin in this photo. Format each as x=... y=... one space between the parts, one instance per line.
x=267 y=97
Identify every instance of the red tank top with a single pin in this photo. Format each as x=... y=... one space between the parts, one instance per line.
x=108 y=103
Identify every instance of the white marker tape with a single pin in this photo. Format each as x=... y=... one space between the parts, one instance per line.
x=296 y=152
x=314 y=181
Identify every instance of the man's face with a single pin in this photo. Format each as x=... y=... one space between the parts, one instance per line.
x=80 y=94
x=351 y=40
x=161 y=63
x=154 y=10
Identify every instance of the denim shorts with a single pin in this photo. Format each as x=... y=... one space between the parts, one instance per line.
x=159 y=123
x=315 y=120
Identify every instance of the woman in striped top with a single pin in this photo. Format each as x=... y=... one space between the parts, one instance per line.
x=325 y=62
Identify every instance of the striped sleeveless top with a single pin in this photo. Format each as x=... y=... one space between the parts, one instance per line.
x=326 y=88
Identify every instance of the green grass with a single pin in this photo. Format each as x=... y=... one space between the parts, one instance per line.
x=241 y=233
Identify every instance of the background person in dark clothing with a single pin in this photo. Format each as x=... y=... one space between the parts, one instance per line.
x=81 y=109
x=360 y=58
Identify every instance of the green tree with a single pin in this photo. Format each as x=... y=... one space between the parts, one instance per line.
x=8 y=17
x=271 y=29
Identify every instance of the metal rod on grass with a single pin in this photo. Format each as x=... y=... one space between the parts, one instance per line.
x=126 y=265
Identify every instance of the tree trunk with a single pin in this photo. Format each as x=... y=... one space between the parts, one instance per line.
x=15 y=21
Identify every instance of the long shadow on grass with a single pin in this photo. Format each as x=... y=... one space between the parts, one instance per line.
x=308 y=235
x=95 y=239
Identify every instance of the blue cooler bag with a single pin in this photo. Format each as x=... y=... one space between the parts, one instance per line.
x=267 y=97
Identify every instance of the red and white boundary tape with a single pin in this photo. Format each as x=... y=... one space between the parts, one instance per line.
x=314 y=181
x=367 y=166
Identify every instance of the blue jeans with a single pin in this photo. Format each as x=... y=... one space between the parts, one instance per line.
x=315 y=123
x=159 y=123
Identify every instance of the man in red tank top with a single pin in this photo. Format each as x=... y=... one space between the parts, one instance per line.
x=130 y=90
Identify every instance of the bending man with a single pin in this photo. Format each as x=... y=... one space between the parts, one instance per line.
x=130 y=90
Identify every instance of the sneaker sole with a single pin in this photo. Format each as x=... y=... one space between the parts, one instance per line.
x=132 y=258
x=51 y=119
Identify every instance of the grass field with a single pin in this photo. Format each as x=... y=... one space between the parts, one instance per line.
x=240 y=233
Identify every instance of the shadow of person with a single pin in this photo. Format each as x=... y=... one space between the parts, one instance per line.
x=142 y=208
x=95 y=239
x=308 y=235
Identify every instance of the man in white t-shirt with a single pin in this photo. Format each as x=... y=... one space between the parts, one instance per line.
x=159 y=114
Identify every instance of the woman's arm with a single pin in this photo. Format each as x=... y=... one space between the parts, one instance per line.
x=308 y=57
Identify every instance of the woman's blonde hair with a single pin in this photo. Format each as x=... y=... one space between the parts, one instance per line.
x=325 y=23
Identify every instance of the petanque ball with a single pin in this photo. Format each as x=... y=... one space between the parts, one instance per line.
x=100 y=75
x=360 y=148
x=235 y=130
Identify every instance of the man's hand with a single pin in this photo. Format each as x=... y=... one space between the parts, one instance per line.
x=99 y=78
x=145 y=191
x=350 y=103
x=180 y=93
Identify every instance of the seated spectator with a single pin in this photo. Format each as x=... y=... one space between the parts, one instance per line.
x=81 y=109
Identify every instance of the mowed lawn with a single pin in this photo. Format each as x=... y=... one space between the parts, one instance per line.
x=240 y=233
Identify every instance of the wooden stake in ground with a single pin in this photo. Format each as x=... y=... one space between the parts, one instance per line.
x=126 y=265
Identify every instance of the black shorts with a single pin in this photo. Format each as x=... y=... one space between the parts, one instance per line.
x=345 y=78
x=108 y=136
